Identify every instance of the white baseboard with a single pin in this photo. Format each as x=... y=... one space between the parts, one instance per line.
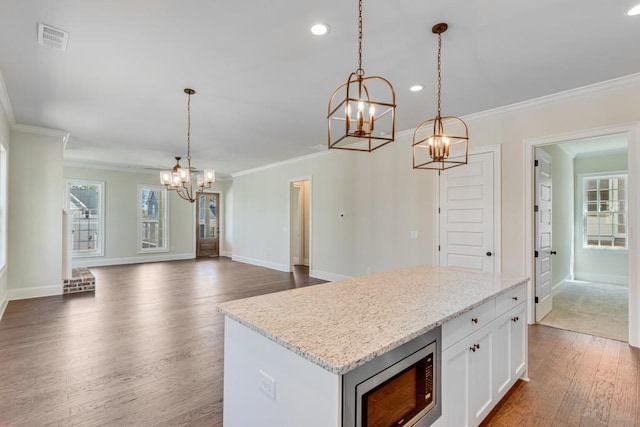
x=34 y=292
x=602 y=278
x=4 y=301
x=295 y=260
x=227 y=254
x=555 y=289
x=101 y=262
x=324 y=275
x=261 y=263
x=305 y=262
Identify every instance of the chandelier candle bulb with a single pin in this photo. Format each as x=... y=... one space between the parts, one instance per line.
x=165 y=177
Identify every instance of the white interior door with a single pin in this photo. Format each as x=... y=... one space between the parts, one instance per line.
x=467 y=214
x=543 y=252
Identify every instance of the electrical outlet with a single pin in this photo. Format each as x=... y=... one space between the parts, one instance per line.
x=414 y=234
x=267 y=385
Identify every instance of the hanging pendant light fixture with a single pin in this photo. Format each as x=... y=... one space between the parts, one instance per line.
x=180 y=179
x=442 y=142
x=356 y=120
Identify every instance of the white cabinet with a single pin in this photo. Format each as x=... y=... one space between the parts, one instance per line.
x=467 y=386
x=510 y=355
x=482 y=365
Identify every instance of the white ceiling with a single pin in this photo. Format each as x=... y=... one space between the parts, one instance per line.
x=263 y=80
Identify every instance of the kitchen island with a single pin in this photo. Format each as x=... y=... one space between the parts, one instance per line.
x=286 y=353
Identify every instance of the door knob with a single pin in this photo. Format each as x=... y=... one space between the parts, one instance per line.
x=553 y=252
x=489 y=253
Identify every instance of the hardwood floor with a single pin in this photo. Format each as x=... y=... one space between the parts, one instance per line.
x=146 y=349
x=575 y=380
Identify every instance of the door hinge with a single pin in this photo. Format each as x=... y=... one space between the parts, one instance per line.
x=536 y=300
x=438 y=248
x=536 y=254
x=438 y=210
x=535 y=208
x=535 y=163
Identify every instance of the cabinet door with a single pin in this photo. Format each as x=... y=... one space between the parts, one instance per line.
x=480 y=375
x=518 y=321
x=455 y=385
x=502 y=370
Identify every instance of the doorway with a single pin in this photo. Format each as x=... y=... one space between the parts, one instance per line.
x=208 y=225
x=299 y=223
x=590 y=273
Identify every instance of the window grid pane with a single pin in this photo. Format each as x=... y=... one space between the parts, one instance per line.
x=604 y=212
x=84 y=202
x=152 y=219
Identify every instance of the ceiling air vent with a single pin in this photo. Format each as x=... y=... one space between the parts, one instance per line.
x=52 y=37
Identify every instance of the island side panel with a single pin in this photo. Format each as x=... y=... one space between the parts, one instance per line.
x=305 y=394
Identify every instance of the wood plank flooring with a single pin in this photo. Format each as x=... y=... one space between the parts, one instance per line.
x=147 y=349
x=575 y=380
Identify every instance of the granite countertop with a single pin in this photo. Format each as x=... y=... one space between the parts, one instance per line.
x=342 y=325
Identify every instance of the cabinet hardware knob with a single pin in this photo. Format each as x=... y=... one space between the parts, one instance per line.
x=553 y=252
x=514 y=298
x=515 y=319
x=473 y=348
x=489 y=253
x=474 y=320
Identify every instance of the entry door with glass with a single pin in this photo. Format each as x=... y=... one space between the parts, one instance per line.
x=208 y=225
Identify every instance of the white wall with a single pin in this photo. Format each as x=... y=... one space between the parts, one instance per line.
x=35 y=215
x=121 y=218
x=600 y=265
x=382 y=199
x=562 y=221
x=5 y=138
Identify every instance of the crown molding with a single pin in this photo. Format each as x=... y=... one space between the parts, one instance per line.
x=36 y=130
x=282 y=163
x=6 y=102
x=632 y=79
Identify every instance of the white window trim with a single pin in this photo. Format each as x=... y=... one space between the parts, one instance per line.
x=582 y=203
x=165 y=229
x=4 y=205
x=99 y=252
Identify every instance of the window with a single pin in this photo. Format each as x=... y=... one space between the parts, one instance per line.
x=85 y=199
x=3 y=207
x=152 y=218
x=605 y=211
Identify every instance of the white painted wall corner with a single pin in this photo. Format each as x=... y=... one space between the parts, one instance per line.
x=4 y=301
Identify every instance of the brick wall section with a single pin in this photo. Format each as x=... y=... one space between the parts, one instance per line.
x=81 y=281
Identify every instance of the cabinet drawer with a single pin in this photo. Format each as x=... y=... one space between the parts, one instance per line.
x=467 y=323
x=510 y=299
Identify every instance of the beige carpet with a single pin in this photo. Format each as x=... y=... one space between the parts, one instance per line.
x=591 y=308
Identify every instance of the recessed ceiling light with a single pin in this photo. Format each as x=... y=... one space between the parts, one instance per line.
x=634 y=11
x=320 y=29
x=416 y=88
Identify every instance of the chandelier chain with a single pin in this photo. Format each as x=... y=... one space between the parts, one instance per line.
x=439 y=70
x=360 y=71
x=189 y=130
